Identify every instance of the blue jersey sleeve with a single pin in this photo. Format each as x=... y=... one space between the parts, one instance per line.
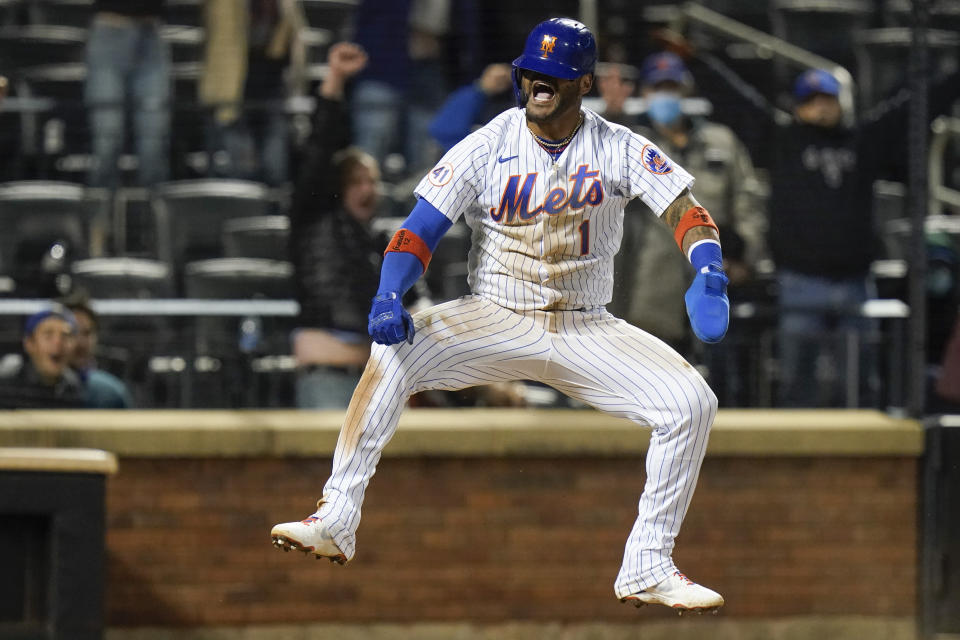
x=401 y=270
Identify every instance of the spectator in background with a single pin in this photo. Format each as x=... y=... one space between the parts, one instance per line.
x=335 y=253
x=102 y=390
x=128 y=69
x=616 y=83
x=253 y=54
x=821 y=240
x=417 y=48
x=821 y=235
x=651 y=279
x=473 y=104
x=726 y=183
x=43 y=379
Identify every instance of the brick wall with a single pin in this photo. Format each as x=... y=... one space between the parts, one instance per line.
x=490 y=540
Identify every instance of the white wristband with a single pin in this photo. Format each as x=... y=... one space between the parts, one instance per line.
x=698 y=243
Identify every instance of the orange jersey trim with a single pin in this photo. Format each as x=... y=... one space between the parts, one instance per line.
x=406 y=241
x=694 y=217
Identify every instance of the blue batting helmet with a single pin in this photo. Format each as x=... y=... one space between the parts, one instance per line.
x=560 y=48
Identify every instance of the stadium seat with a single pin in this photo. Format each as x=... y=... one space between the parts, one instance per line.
x=943 y=14
x=889 y=214
x=185 y=12
x=140 y=337
x=71 y=13
x=238 y=279
x=188 y=148
x=335 y=15
x=186 y=42
x=231 y=342
x=46 y=210
x=23 y=46
x=190 y=214
x=257 y=237
x=121 y=277
x=882 y=56
x=9 y=10
x=62 y=130
x=824 y=27
x=126 y=279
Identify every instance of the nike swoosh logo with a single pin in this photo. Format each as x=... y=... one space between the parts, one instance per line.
x=501 y=159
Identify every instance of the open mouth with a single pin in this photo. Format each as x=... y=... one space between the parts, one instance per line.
x=541 y=92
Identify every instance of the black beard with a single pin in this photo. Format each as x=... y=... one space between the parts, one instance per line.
x=564 y=102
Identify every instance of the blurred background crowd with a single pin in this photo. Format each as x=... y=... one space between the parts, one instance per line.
x=204 y=188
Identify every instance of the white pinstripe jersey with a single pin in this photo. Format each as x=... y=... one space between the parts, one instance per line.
x=544 y=232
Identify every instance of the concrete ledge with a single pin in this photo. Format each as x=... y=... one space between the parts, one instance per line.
x=648 y=627
x=57 y=460
x=458 y=432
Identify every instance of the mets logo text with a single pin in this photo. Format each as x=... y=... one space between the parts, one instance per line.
x=654 y=161
x=548 y=43
x=585 y=189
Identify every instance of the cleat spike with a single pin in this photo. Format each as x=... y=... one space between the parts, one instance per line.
x=309 y=536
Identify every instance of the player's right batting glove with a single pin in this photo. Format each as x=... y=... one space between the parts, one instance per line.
x=389 y=322
x=707 y=304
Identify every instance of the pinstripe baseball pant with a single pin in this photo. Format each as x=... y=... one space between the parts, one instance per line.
x=589 y=355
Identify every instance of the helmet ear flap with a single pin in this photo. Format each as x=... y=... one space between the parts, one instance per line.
x=518 y=88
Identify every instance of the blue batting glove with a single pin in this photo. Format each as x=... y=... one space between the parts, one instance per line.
x=707 y=304
x=389 y=322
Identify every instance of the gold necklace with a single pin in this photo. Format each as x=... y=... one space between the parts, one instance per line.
x=552 y=147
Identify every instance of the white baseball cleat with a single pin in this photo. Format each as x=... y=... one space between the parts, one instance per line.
x=309 y=536
x=679 y=592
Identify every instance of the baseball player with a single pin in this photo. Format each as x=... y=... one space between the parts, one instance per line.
x=543 y=187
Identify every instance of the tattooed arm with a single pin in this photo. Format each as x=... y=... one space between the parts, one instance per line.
x=707 y=305
x=675 y=210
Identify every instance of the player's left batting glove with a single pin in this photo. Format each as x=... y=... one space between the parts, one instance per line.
x=707 y=304
x=389 y=322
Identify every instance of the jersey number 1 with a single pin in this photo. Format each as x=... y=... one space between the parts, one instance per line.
x=584 y=229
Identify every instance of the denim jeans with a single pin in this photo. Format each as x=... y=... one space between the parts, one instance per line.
x=386 y=118
x=128 y=69
x=816 y=332
x=377 y=114
x=255 y=147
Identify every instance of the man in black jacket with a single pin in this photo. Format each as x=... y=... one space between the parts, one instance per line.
x=821 y=232
x=821 y=240
x=336 y=255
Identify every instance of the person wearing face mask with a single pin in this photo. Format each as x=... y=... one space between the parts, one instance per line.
x=712 y=152
x=649 y=277
x=335 y=253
